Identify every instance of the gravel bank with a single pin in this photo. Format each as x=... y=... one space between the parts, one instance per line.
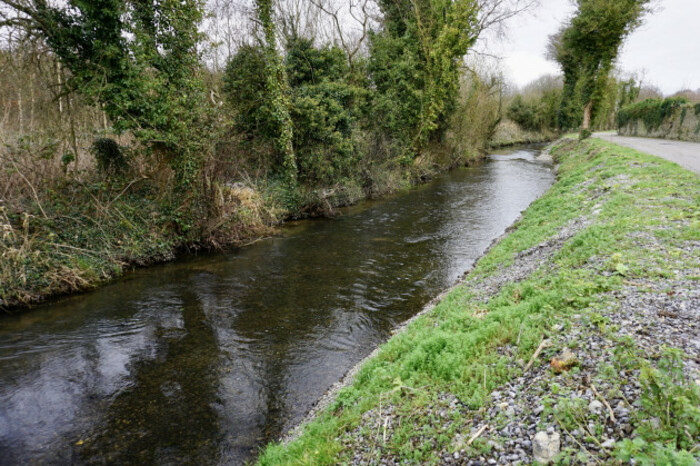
x=609 y=374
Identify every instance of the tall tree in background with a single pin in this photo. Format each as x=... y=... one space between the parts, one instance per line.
x=586 y=49
x=277 y=95
x=138 y=58
x=414 y=63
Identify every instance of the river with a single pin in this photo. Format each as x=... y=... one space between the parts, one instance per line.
x=206 y=359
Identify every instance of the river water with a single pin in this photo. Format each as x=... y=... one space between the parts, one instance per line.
x=205 y=359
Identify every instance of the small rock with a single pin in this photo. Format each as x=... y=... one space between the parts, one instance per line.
x=510 y=412
x=539 y=410
x=456 y=455
x=545 y=447
x=595 y=406
x=608 y=444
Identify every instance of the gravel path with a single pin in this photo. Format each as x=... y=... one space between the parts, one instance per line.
x=685 y=154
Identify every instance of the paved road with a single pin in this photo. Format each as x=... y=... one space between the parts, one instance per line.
x=685 y=154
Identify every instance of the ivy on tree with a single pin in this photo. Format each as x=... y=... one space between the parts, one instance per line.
x=586 y=50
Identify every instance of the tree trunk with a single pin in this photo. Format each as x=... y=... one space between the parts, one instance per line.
x=587 y=111
x=60 y=88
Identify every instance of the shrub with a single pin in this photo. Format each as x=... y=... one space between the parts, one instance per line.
x=110 y=157
x=244 y=87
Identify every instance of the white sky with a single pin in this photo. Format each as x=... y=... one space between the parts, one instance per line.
x=665 y=49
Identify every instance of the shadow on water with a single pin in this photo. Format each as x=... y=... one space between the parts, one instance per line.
x=206 y=359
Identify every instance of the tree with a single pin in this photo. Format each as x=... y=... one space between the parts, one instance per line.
x=586 y=49
x=139 y=59
x=277 y=96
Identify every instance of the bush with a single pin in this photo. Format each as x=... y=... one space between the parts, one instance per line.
x=535 y=114
x=109 y=156
x=652 y=112
x=244 y=87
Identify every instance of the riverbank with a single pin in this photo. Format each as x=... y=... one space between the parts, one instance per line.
x=509 y=134
x=80 y=234
x=574 y=339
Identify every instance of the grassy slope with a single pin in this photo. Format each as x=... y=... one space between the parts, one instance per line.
x=457 y=347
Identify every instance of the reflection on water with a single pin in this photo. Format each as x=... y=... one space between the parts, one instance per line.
x=205 y=359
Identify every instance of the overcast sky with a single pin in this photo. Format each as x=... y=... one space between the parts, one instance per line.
x=666 y=48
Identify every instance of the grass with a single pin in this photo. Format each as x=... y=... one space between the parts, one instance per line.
x=458 y=347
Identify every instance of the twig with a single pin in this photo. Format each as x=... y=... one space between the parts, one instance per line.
x=478 y=434
x=386 y=421
x=124 y=190
x=575 y=439
x=605 y=402
x=36 y=197
x=545 y=343
x=517 y=343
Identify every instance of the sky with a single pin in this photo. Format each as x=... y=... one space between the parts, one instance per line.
x=665 y=50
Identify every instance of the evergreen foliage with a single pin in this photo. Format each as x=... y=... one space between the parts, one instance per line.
x=109 y=156
x=586 y=49
x=653 y=112
x=414 y=64
x=140 y=60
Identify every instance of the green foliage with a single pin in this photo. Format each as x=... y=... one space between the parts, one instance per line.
x=325 y=108
x=414 y=64
x=323 y=122
x=109 y=156
x=667 y=395
x=245 y=91
x=653 y=112
x=140 y=60
x=586 y=49
x=535 y=114
x=307 y=64
x=277 y=94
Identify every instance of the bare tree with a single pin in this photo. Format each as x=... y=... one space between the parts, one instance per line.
x=351 y=22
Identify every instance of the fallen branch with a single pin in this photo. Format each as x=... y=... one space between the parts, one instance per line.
x=478 y=434
x=545 y=343
x=605 y=402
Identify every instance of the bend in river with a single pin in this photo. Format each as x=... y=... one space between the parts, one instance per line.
x=206 y=359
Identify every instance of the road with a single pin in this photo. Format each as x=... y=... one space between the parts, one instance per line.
x=685 y=154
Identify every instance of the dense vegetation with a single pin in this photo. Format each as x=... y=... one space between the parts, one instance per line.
x=123 y=140
x=538 y=105
x=652 y=112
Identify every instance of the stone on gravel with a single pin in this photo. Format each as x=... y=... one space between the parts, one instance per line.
x=545 y=447
x=595 y=406
x=608 y=443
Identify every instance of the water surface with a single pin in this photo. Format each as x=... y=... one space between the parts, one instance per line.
x=205 y=359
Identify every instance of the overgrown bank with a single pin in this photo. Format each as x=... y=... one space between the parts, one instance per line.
x=574 y=339
x=76 y=235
